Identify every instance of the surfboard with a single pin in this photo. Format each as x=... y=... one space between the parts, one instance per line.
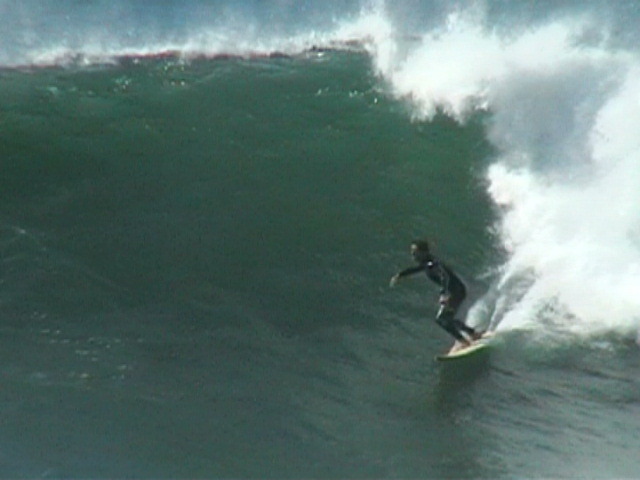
x=472 y=349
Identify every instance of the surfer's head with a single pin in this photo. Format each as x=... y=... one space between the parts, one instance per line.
x=420 y=250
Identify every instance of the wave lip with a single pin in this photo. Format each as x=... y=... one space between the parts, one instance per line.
x=239 y=38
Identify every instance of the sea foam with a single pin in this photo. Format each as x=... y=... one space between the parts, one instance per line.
x=564 y=111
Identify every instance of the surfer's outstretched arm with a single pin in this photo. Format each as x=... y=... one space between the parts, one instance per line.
x=405 y=273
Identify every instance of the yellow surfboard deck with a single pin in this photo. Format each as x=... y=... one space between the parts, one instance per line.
x=475 y=347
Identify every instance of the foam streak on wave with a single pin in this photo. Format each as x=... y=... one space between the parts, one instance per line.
x=564 y=116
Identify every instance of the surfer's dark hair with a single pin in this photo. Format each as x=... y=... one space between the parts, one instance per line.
x=421 y=245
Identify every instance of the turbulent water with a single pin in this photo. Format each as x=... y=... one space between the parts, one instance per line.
x=202 y=203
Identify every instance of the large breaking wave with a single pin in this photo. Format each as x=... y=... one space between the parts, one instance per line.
x=562 y=98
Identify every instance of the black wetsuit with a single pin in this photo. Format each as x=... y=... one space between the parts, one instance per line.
x=452 y=294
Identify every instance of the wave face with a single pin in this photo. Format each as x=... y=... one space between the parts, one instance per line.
x=558 y=81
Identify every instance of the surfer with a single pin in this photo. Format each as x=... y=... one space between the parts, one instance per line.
x=452 y=291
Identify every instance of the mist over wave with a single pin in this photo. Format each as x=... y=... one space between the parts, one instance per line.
x=68 y=32
x=564 y=109
x=46 y=33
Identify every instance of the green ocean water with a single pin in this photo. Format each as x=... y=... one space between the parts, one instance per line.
x=247 y=174
x=195 y=264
